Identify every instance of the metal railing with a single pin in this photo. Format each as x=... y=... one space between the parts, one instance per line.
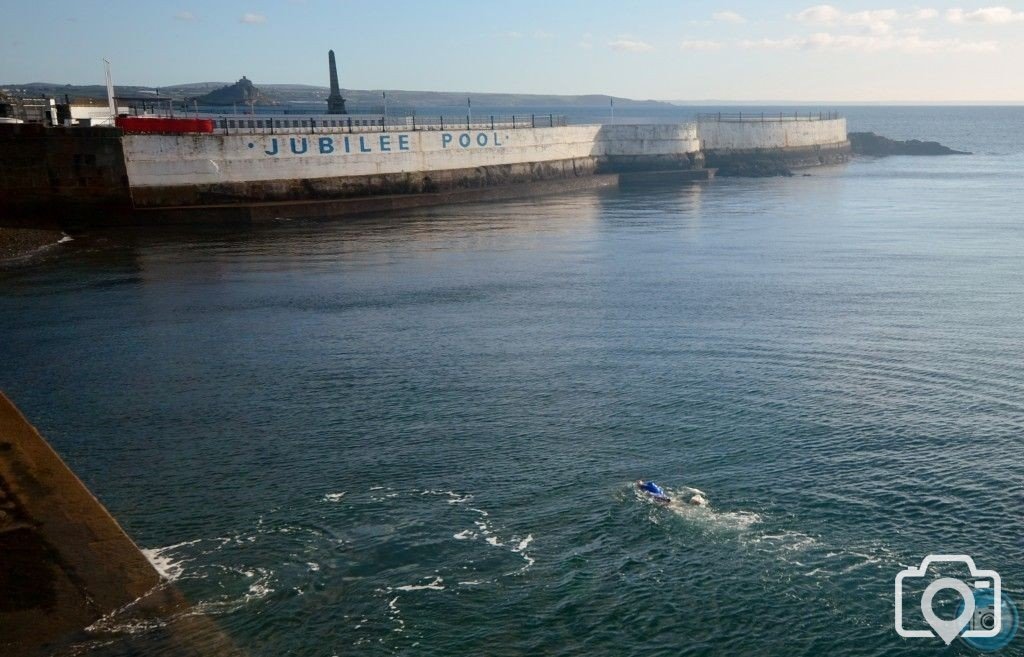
x=356 y=123
x=755 y=117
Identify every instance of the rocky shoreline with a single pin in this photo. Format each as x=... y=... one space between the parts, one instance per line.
x=868 y=143
x=20 y=242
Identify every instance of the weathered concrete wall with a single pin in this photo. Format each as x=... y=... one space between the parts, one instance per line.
x=98 y=173
x=757 y=135
x=44 y=171
x=211 y=169
x=175 y=161
x=65 y=564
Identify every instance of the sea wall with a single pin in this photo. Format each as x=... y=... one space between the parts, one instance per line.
x=750 y=135
x=88 y=175
x=47 y=171
x=211 y=169
x=772 y=147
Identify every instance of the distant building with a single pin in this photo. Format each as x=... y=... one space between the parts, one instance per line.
x=335 y=103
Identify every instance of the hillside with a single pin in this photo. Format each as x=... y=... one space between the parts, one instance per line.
x=299 y=93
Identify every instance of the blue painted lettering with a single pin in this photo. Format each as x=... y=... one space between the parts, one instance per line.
x=403 y=142
x=348 y=146
x=481 y=139
x=305 y=146
x=446 y=139
x=273 y=147
x=464 y=140
x=362 y=145
x=385 y=143
x=326 y=145
x=496 y=141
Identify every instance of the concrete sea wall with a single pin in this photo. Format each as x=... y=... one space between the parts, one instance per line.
x=773 y=146
x=770 y=134
x=174 y=170
x=100 y=174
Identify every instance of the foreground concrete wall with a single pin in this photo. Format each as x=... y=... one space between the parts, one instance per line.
x=758 y=135
x=68 y=572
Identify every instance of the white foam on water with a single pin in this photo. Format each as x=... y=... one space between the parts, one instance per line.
x=436 y=585
x=334 y=497
x=453 y=497
x=464 y=535
x=65 y=239
x=396 y=615
x=313 y=566
x=703 y=513
x=169 y=567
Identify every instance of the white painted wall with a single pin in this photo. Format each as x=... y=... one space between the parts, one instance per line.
x=168 y=160
x=165 y=160
x=746 y=135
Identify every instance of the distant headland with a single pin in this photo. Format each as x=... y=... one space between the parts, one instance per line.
x=245 y=91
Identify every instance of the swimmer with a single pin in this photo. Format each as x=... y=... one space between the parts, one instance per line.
x=654 y=490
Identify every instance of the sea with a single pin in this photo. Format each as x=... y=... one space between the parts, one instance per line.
x=420 y=433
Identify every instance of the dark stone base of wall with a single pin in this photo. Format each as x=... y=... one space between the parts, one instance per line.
x=244 y=213
x=635 y=163
x=46 y=173
x=345 y=187
x=762 y=163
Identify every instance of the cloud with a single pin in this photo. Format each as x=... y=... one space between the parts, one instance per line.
x=250 y=18
x=910 y=43
x=185 y=16
x=514 y=35
x=630 y=45
x=541 y=34
x=728 y=17
x=823 y=14
x=990 y=15
x=698 y=44
x=875 y=21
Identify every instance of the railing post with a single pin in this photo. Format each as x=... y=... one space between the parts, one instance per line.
x=349 y=121
x=467 y=122
x=513 y=121
x=533 y=120
x=414 y=123
x=492 y=122
x=442 y=121
x=551 y=120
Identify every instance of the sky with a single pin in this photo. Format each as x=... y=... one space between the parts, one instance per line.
x=949 y=51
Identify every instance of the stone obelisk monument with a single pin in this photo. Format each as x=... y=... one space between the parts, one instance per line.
x=335 y=103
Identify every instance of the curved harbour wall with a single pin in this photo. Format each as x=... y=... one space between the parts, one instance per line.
x=770 y=146
x=100 y=174
x=202 y=169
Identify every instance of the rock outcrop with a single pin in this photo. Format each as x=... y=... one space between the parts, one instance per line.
x=868 y=143
x=242 y=92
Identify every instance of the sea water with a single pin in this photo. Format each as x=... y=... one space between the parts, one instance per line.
x=418 y=434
